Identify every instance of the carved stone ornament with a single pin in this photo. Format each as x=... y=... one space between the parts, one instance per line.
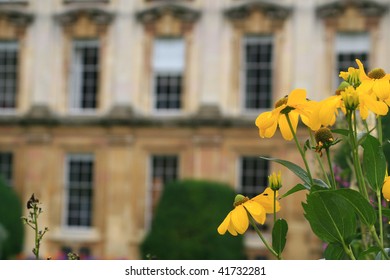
x=270 y=9
x=96 y=15
x=365 y=7
x=16 y=17
x=181 y=12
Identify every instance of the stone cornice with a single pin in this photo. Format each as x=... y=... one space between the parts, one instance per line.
x=271 y=10
x=365 y=7
x=98 y=16
x=16 y=16
x=135 y=121
x=181 y=12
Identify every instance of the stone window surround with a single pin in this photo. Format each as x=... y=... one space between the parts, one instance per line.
x=349 y=16
x=254 y=18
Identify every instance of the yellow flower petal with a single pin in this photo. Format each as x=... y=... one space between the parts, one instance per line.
x=266 y=199
x=381 y=88
x=224 y=225
x=386 y=188
x=269 y=132
x=296 y=97
x=239 y=219
x=260 y=218
x=375 y=106
x=328 y=109
x=285 y=128
x=265 y=120
x=253 y=208
x=363 y=75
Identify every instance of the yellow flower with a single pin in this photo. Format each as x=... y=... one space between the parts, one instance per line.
x=294 y=105
x=377 y=81
x=237 y=221
x=352 y=99
x=386 y=188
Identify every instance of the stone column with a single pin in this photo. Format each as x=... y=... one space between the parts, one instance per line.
x=41 y=46
x=210 y=38
x=124 y=36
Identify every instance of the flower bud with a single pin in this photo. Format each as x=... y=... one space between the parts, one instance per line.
x=275 y=181
x=350 y=98
x=240 y=199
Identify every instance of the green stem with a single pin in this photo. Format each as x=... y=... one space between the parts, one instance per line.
x=253 y=223
x=274 y=206
x=325 y=175
x=300 y=149
x=35 y=221
x=378 y=241
x=348 y=251
x=331 y=169
x=355 y=154
x=379 y=197
x=379 y=128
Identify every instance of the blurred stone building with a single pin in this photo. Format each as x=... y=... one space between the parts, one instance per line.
x=104 y=101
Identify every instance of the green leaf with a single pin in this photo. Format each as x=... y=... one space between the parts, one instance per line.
x=330 y=216
x=370 y=251
x=359 y=204
x=320 y=183
x=295 y=189
x=374 y=162
x=279 y=233
x=297 y=170
x=335 y=251
x=386 y=212
x=341 y=131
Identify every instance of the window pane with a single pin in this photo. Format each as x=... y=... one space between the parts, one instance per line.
x=350 y=46
x=85 y=74
x=254 y=175
x=168 y=90
x=79 y=190
x=8 y=74
x=258 y=72
x=168 y=55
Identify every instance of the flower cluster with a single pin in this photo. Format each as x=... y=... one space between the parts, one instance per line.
x=358 y=95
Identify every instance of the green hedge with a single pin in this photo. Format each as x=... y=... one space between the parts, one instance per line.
x=11 y=225
x=186 y=221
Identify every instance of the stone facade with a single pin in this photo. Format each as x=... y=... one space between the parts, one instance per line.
x=209 y=134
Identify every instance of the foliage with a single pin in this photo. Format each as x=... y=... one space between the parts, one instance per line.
x=12 y=226
x=185 y=221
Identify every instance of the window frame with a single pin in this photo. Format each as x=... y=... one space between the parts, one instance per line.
x=168 y=72
x=68 y=158
x=11 y=45
x=76 y=80
x=255 y=38
x=240 y=186
x=364 y=47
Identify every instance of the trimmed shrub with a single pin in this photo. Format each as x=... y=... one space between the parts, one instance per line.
x=11 y=225
x=186 y=221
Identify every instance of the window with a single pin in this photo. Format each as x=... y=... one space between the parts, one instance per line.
x=79 y=189
x=168 y=68
x=350 y=46
x=6 y=172
x=164 y=169
x=254 y=173
x=84 y=75
x=257 y=72
x=8 y=74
